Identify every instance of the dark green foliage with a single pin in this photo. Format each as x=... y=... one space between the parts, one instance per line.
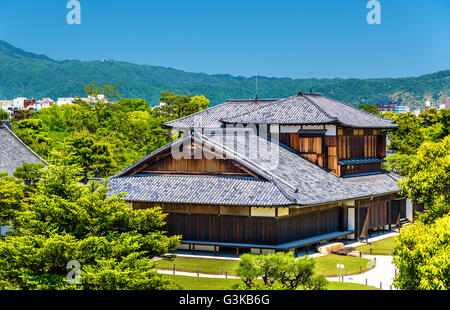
x=45 y=77
x=30 y=175
x=4 y=115
x=104 y=136
x=66 y=221
x=31 y=132
x=279 y=271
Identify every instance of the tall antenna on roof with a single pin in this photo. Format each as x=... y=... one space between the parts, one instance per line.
x=256 y=98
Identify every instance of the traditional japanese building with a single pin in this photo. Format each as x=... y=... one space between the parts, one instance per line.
x=13 y=151
x=270 y=174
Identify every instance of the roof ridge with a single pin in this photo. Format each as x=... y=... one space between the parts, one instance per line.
x=248 y=161
x=257 y=109
x=318 y=107
x=190 y=115
x=119 y=174
x=367 y=113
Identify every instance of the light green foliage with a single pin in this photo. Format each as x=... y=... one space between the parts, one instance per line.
x=422 y=256
x=113 y=133
x=428 y=179
x=4 y=115
x=177 y=106
x=368 y=108
x=68 y=221
x=31 y=132
x=11 y=195
x=428 y=117
x=409 y=136
x=29 y=174
x=399 y=163
x=279 y=271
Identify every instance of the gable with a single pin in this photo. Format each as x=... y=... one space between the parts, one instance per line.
x=210 y=164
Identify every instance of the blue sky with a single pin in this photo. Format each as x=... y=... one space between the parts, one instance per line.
x=283 y=38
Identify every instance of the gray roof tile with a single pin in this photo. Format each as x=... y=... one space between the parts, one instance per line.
x=14 y=152
x=290 y=179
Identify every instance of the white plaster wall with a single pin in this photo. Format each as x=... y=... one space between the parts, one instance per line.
x=409 y=210
x=266 y=212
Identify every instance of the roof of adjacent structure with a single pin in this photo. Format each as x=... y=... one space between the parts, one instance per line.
x=289 y=179
x=210 y=118
x=14 y=152
x=304 y=108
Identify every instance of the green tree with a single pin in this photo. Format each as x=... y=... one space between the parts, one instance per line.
x=279 y=271
x=428 y=117
x=11 y=195
x=4 y=115
x=31 y=132
x=67 y=221
x=177 y=106
x=368 y=108
x=29 y=174
x=422 y=256
x=90 y=155
x=428 y=179
x=409 y=136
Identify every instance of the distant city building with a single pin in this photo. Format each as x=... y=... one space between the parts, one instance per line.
x=447 y=103
x=387 y=107
x=441 y=106
x=416 y=112
x=430 y=104
x=62 y=101
x=402 y=109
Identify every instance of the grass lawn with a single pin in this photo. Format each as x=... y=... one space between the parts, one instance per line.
x=194 y=283
x=329 y=264
x=214 y=266
x=381 y=247
x=209 y=266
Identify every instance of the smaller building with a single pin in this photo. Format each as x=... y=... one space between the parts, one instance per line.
x=387 y=107
x=402 y=109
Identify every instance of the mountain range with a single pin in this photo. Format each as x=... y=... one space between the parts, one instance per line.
x=35 y=76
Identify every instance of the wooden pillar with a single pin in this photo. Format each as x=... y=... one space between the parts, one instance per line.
x=215 y=250
x=237 y=252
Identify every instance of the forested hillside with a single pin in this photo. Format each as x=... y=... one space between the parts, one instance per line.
x=29 y=75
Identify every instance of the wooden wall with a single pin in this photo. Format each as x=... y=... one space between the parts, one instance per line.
x=311 y=224
x=360 y=143
x=378 y=214
x=310 y=147
x=234 y=225
x=190 y=166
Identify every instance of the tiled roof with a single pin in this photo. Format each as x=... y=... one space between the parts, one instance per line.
x=292 y=110
x=360 y=161
x=14 y=152
x=348 y=115
x=198 y=190
x=210 y=118
x=304 y=108
x=287 y=175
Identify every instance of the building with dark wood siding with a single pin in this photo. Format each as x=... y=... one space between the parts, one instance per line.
x=272 y=174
